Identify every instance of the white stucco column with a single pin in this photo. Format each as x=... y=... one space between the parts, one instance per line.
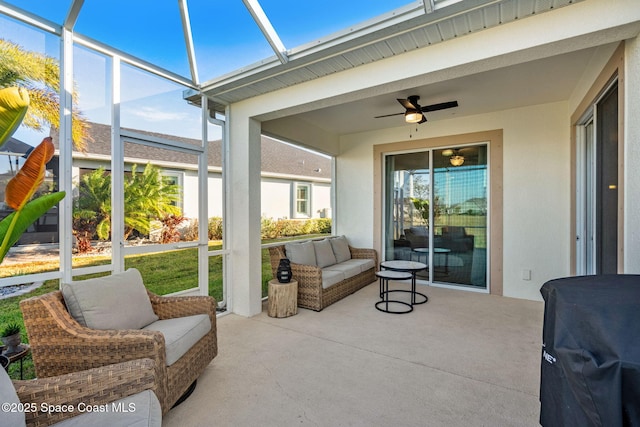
x=243 y=214
x=632 y=157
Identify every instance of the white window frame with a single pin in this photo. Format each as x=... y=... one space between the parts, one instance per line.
x=294 y=200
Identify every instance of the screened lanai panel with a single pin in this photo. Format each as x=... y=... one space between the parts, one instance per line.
x=24 y=52
x=310 y=21
x=92 y=80
x=160 y=216
x=147 y=30
x=152 y=104
x=226 y=37
x=215 y=214
x=53 y=10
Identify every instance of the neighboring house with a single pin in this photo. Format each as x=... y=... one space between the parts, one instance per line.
x=296 y=183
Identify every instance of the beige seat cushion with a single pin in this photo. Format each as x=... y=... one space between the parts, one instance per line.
x=140 y=410
x=364 y=264
x=181 y=333
x=331 y=277
x=119 y=301
x=348 y=269
x=8 y=396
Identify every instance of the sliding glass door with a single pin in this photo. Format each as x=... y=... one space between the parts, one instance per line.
x=436 y=212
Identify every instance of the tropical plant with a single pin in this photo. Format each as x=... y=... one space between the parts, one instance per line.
x=10 y=329
x=39 y=75
x=18 y=196
x=147 y=197
x=170 y=232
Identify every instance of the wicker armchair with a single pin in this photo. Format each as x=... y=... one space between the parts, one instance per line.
x=103 y=387
x=311 y=294
x=60 y=345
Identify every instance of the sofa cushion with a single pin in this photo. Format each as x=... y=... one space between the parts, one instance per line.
x=361 y=264
x=301 y=253
x=118 y=301
x=331 y=277
x=181 y=333
x=365 y=264
x=139 y=410
x=348 y=269
x=340 y=247
x=324 y=253
x=8 y=396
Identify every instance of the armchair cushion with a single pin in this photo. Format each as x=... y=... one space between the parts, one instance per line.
x=9 y=396
x=119 y=301
x=181 y=333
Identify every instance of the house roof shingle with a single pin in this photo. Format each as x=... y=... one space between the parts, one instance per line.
x=276 y=157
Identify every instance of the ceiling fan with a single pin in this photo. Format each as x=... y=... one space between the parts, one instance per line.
x=414 y=112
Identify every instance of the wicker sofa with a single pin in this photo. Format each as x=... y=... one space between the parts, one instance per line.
x=327 y=270
x=60 y=344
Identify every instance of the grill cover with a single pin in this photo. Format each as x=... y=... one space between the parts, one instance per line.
x=590 y=373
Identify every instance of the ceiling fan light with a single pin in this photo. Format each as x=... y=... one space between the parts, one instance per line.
x=456 y=160
x=448 y=152
x=412 y=116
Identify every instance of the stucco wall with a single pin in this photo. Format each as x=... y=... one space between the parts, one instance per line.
x=536 y=179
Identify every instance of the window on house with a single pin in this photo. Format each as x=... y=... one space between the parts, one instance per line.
x=174 y=178
x=302 y=200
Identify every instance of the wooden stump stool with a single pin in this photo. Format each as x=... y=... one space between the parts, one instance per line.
x=283 y=298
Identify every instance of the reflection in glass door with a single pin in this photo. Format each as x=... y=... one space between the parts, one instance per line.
x=436 y=212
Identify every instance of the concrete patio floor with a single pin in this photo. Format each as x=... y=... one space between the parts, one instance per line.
x=461 y=359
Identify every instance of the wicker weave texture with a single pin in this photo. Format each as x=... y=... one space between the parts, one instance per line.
x=59 y=345
x=98 y=386
x=311 y=295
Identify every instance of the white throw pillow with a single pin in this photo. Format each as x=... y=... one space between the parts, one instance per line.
x=301 y=253
x=324 y=253
x=118 y=301
x=340 y=247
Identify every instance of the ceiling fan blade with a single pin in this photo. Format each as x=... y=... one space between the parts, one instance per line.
x=407 y=104
x=388 y=115
x=441 y=106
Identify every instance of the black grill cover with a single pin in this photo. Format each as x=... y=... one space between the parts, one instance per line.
x=590 y=374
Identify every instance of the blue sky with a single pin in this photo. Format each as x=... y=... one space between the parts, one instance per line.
x=225 y=36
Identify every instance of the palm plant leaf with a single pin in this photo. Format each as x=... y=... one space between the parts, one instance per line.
x=14 y=103
x=39 y=75
x=27 y=216
x=23 y=186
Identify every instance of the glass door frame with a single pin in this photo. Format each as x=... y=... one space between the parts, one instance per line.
x=384 y=223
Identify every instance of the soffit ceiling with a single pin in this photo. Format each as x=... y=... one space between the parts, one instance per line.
x=532 y=83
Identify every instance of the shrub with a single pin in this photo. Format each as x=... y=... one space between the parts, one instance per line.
x=215 y=228
x=273 y=229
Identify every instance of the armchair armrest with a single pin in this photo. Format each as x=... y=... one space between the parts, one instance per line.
x=61 y=345
x=181 y=306
x=97 y=386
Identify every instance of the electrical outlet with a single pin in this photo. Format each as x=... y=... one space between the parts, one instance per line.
x=526 y=274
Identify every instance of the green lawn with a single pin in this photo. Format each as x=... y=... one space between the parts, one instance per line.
x=163 y=273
